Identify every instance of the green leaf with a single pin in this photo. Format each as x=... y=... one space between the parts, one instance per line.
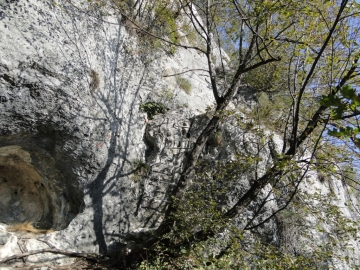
x=348 y=92
x=330 y=100
x=339 y=111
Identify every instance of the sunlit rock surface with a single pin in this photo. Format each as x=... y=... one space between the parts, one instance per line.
x=71 y=131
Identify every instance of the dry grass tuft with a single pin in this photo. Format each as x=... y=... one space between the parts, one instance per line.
x=95 y=81
x=184 y=84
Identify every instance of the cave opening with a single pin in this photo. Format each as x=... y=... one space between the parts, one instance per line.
x=34 y=192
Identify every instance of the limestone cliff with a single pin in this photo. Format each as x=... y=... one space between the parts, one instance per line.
x=73 y=136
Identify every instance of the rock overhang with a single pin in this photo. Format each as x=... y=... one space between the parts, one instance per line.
x=35 y=187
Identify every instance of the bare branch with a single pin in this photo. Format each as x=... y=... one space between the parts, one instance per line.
x=209 y=54
x=309 y=75
x=292 y=196
x=317 y=116
x=198 y=23
x=356 y=113
x=186 y=71
x=296 y=42
x=87 y=256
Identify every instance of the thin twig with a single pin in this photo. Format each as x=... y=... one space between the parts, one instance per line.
x=190 y=70
x=90 y=257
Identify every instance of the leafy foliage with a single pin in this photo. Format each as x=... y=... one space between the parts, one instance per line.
x=166 y=95
x=153 y=108
x=141 y=17
x=342 y=106
x=264 y=79
x=141 y=169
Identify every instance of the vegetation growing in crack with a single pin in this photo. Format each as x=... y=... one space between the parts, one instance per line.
x=166 y=95
x=153 y=108
x=141 y=169
x=95 y=81
x=184 y=84
x=142 y=17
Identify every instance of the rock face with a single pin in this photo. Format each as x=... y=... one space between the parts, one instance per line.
x=71 y=84
x=26 y=196
x=73 y=140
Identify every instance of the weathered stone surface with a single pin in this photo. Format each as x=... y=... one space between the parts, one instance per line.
x=72 y=136
x=4 y=237
x=71 y=82
x=26 y=196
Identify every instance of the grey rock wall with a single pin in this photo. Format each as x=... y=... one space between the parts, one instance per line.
x=73 y=139
x=71 y=84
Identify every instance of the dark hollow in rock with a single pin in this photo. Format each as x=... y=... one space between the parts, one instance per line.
x=33 y=190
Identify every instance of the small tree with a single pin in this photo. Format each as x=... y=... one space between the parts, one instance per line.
x=305 y=51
